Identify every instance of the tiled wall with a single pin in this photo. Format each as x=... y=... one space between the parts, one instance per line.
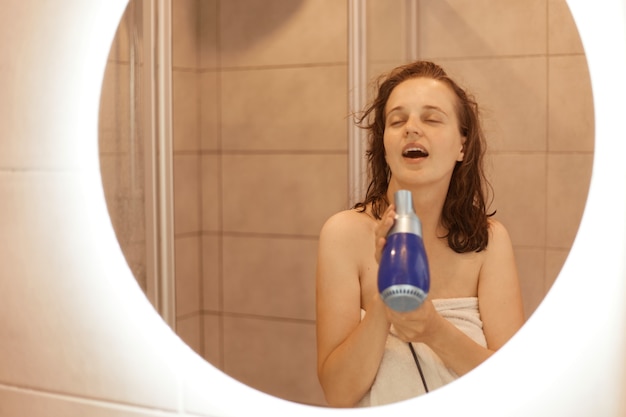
x=260 y=162
x=260 y=157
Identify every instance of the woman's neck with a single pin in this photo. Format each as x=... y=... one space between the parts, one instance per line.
x=428 y=205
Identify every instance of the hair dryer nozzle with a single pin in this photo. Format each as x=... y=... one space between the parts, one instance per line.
x=403 y=297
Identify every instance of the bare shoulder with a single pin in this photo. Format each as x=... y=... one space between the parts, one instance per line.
x=499 y=267
x=348 y=225
x=498 y=234
x=499 y=257
x=344 y=239
x=499 y=292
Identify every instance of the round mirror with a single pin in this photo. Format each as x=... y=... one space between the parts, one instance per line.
x=258 y=155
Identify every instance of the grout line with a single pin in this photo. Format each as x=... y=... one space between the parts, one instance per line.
x=233 y=314
x=39 y=170
x=547 y=150
x=418 y=43
x=185 y=69
x=200 y=137
x=499 y=57
x=220 y=186
x=78 y=399
x=287 y=152
x=559 y=152
x=279 y=66
x=269 y=235
x=186 y=235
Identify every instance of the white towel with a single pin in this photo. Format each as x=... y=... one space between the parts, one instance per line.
x=398 y=377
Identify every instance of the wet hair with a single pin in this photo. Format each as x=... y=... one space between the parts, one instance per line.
x=464 y=213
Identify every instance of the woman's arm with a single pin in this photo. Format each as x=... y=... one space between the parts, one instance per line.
x=499 y=293
x=349 y=350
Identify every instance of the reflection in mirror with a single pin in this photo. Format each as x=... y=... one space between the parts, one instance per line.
x=121 y=141
x=260 y=154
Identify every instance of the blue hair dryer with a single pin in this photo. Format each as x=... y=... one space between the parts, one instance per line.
x=403 y=273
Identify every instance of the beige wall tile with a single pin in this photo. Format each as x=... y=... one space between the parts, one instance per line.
x=286 y=109
x=282 y=32
x=563 y=37
x=531 y=264
x=106 y=141
x=187 y=276
x=211 y=193
x=211 y=266
x=387 y=25
x=268 y=276
x=459 y=28
x=377 y=69
x=185 y=33
x=208 y=43
x=264 y=354
x=188 y=328
x=555 y=259
x=186 y=111
x=186 y=193
x=213 y=339
x=209 y=111
x=283 y=194
x=519 y=182
x=569 y=176
x=511 y=93
x=571 y=122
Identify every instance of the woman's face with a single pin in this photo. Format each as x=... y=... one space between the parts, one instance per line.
x=422 y=138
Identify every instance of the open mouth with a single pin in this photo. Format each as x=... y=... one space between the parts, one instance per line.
x=414 y=152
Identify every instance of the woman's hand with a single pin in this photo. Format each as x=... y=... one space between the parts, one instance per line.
x=418 y=325
x=382 y=228
x=412 y=326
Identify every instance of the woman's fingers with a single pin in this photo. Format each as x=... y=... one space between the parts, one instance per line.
x=414 y=325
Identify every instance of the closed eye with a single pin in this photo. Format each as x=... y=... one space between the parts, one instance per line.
x=396 y=122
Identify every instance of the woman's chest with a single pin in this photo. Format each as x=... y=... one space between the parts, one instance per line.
x=452 y=275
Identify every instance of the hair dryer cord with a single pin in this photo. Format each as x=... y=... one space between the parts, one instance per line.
x=419 y=368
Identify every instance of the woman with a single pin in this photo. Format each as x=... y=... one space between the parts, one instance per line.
x=425 y=137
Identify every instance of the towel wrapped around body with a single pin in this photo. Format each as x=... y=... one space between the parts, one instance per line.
x=398 y=377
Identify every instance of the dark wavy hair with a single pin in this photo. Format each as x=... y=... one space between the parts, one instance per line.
x=464 y=212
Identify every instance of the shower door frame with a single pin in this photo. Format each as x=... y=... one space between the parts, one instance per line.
x=357 y=86
x=159 y=205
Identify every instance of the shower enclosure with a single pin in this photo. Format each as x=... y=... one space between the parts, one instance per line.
x=226 y=141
